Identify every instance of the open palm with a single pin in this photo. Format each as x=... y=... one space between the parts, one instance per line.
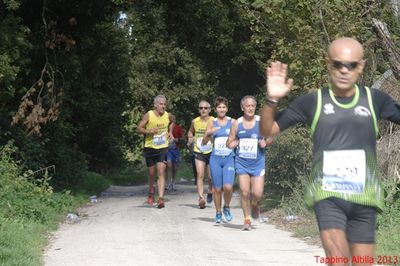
x=278 y=85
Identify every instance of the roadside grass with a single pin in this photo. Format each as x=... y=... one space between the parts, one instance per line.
x=137 y=175
x=20 y=243
x=29 y=211
x=387 y=235
x=305 y=225
x=24 y=231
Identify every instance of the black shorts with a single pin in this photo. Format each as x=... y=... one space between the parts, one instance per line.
x=154 y=156
x=202 y=157
x=357 y=221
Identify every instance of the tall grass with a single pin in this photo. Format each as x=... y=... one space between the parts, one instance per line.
x=29 y=209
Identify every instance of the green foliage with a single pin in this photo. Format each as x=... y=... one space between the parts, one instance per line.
x=20 y=244
x=28 y=210
x=93 y=183
x=298 y=33
x=288 y=159
x=27 y=200
x=388 y=222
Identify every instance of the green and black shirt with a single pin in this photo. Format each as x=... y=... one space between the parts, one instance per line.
x=344 y=132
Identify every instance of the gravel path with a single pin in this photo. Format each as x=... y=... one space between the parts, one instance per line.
x=121 y=229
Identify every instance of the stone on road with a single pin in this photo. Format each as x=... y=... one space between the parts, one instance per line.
x=121 y=229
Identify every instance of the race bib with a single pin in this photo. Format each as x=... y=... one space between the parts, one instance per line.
x=160 y=139
x=203 y=148
x=344 y=171
x=248 y=148
x=220 y=148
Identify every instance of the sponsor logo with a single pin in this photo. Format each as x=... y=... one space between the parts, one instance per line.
x=242 y=132
x=329 y=109
x=254 y=136
x=362 y=111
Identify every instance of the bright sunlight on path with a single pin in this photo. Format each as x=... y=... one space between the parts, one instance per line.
x=120 y=229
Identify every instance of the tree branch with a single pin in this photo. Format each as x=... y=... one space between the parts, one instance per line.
x=392 y=52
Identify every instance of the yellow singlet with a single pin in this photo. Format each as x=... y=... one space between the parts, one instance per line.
x=200 y=128
x=160 y=139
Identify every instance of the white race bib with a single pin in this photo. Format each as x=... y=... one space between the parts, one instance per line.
x=220 y=148
x=344 y=171
x=203 y=148
x=248 y=148
x=160 y=139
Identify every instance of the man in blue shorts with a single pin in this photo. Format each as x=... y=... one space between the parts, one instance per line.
x=344 y=186
x=249 y=159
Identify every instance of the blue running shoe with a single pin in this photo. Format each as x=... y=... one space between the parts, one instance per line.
x=227 y=214
x=218 y=217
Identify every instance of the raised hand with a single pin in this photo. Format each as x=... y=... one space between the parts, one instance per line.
x=278 y=86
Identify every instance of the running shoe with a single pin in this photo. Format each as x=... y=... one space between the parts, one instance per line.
x=218 y=217
x=247 y=225
x=170 y=187
x=227 y=214
x=255 y=210
x=209 y=197
x=160 y=203
x=202 y=203
x=150 y=197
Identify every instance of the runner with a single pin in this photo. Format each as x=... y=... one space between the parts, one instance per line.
x=222 y=159
x=249 y=160
x=344 y=187
x=201 y=152
x=173 y=155
x=154 y=125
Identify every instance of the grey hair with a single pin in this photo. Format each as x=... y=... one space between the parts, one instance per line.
x=204 y=101
x=247 y=97
x=159 y=97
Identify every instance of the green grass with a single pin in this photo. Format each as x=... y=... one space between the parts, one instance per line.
x=21 y=243
x=23 y=236
x=138 y=175
x=387 y=235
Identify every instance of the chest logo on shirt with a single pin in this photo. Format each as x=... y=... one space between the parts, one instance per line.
x=329 y=109
x=362 y=111
x=254 y=136
x=242 y=132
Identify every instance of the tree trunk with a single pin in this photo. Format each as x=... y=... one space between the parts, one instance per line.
x=392 y=52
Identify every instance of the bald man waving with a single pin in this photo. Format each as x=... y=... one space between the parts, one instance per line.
x=344 y=187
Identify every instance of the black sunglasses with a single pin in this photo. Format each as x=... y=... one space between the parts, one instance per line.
x=349 y=65
x=202 y=107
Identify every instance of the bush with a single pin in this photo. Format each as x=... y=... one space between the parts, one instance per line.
x=29 y=209
x=289 y=157
x=93 y=183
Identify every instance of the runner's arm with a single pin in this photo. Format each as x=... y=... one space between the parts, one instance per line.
x=171 y=126
x=386 y=106
x=190 y=133
x=278 y=86
x=232 y=141
x=208 y=134
x=141 y=129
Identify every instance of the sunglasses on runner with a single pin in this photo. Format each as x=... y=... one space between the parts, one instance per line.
x=349 y=65
x=203 y=107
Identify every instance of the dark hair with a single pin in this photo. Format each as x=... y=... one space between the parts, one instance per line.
x=220 y=100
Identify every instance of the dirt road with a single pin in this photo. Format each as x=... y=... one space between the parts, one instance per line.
x=120 y=229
